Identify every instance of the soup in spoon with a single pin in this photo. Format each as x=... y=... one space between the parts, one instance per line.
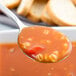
x=44 y=44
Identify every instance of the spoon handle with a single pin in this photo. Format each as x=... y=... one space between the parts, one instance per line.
x=11 y=15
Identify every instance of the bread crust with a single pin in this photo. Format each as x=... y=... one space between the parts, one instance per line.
x=11 y=3
x=59 y=14
x=74 y=1
x=33 y=18
x=24 y=7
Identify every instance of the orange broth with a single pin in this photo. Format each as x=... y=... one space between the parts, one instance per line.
x=13 y=62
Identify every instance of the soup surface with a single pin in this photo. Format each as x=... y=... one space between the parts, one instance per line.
x=14 y=63
x=44 y=44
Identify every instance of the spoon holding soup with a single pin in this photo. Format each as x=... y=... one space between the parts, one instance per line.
x=43 y=44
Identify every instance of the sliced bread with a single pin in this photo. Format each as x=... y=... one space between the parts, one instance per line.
x=46 y=18
x=62 y=12
x=24 y=7
x=36 y=10
x=10 y=3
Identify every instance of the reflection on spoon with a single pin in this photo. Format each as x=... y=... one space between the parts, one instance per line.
x=40 y=43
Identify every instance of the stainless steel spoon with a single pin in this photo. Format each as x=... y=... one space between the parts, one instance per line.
x=12 y=16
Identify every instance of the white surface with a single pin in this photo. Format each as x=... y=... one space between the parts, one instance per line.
x=7 y=36
x=5 y=27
